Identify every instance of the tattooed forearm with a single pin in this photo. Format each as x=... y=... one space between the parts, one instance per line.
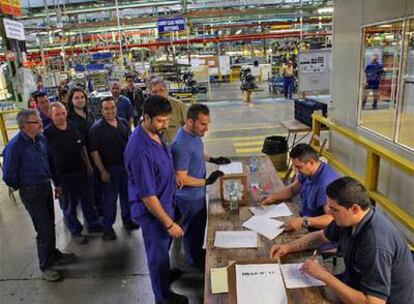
x=309 y=241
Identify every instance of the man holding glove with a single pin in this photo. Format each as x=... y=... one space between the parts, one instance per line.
x=190 y=167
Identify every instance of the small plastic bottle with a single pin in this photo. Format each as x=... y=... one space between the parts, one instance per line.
x=253 y=171
x=233 y=197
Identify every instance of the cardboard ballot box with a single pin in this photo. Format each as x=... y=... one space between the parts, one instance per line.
x=241 y=179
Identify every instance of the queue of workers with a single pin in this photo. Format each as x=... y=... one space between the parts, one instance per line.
x=158 y=172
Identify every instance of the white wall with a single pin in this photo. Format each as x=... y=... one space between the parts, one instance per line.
x=349 y=16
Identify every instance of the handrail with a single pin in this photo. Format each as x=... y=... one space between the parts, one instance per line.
x=3 y=128
x=375 y=153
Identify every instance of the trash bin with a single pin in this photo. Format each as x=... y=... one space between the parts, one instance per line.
x=276 y=147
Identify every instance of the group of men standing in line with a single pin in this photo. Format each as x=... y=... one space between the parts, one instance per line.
x=159 y=174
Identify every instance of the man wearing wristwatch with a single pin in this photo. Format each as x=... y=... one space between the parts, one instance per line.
x=311 y=182
x=151 y=190
x=190 y=167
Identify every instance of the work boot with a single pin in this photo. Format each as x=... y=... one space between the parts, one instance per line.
x=51 y=275
x=130 y=225
x=80 y=239
x=65 y=258
x=175 y=274
x=95 y=229
x=109 y=235
x=175 y=298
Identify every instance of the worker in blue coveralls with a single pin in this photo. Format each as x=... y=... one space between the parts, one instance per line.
x=151 y=190
x=373 y=73
x=190 y=167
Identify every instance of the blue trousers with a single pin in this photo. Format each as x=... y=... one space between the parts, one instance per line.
x=38 y=201
x=118 y=186
x=96 y=182
x=157 y=246
x=288 y=86
x=76 y=189
x=193 y=217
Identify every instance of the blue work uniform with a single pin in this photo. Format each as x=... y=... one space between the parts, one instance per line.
x=46 y=120
x=188 y=154
x=313 y=190
x=110 y=142
x=28 y=166
x=124 y=108
x=377 y=259
x=151 y=173
x=373 y=73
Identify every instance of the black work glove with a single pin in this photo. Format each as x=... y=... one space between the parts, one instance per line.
x=220 y=160
x=213 y=177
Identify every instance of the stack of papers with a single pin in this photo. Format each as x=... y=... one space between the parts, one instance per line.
x=272 y=211
x=260 y=283
x=265 y=226
x=232 y=168
x=294 y=278
x=235 y=239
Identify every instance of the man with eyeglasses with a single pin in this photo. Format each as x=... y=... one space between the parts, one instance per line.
x=29 y=167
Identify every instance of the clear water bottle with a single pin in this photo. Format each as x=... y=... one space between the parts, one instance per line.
x=234 y=196
x=253 y=171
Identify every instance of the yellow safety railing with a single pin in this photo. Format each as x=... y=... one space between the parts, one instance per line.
x=3 y=128
x=375 y=153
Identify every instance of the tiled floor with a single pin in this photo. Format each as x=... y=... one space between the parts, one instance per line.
x=116 y=272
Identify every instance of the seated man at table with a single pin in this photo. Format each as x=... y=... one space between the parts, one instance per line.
x=311 y=182
x=378 y=263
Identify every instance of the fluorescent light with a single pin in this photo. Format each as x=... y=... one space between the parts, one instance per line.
x=325 y=10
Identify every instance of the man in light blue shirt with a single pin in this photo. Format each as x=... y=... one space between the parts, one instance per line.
x=190 y=167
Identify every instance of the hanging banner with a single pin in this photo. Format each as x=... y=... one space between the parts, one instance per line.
x=171 y=24
x=11 y=7
x=14 y=29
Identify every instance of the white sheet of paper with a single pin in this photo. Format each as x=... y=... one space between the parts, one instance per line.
x=272 y=211
x=235 y=239
x=265 y=226
x=294 y=278
x=232 y=168
x=260 y=283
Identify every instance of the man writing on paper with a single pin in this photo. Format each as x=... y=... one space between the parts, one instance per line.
x=311 y=183
x=378 y=264
x=189 y=163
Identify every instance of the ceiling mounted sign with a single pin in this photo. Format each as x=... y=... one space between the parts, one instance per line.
x=175 y=24
x=14 y=29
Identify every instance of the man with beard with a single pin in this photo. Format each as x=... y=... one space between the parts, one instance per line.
x=313 y=178
x=151 y=189
x=107 y=139
x=190 y=166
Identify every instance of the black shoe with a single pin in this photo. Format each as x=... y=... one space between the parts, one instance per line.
x=65 y=258
x=175 y=274
x=175 y=298
x=80 y=239
x=95 y=229
x=374 y=105
x=130 y=225
x=109 y=235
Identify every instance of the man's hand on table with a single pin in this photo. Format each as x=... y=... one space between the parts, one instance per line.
x=266 y=200
x=293 y=225
x=312 y=267
x=278 y=251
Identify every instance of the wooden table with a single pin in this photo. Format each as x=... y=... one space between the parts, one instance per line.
x=221 y=218
x=294 y=127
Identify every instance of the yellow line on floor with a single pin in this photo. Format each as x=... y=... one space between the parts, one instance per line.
x=248 y=143
x=249 y=150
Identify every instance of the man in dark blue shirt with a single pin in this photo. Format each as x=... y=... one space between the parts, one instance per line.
x=378 y=265
x=373 y=73
x=313 y=178
x=107 y=140
x=29 y=167
x=124 y=108
x=151 y=189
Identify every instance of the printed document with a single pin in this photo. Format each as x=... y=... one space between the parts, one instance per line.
x=294 y=278
x=232 y=168
x=260 y=283
x=235 y=239
x=265 y=226
x=272 y=210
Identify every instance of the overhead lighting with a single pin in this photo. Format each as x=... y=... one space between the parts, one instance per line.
x=325 y=10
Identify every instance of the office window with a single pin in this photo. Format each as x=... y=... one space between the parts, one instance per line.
x=381 y=53
x=405 y=121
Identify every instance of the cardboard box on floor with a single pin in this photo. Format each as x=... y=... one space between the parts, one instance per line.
x=231 y=275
